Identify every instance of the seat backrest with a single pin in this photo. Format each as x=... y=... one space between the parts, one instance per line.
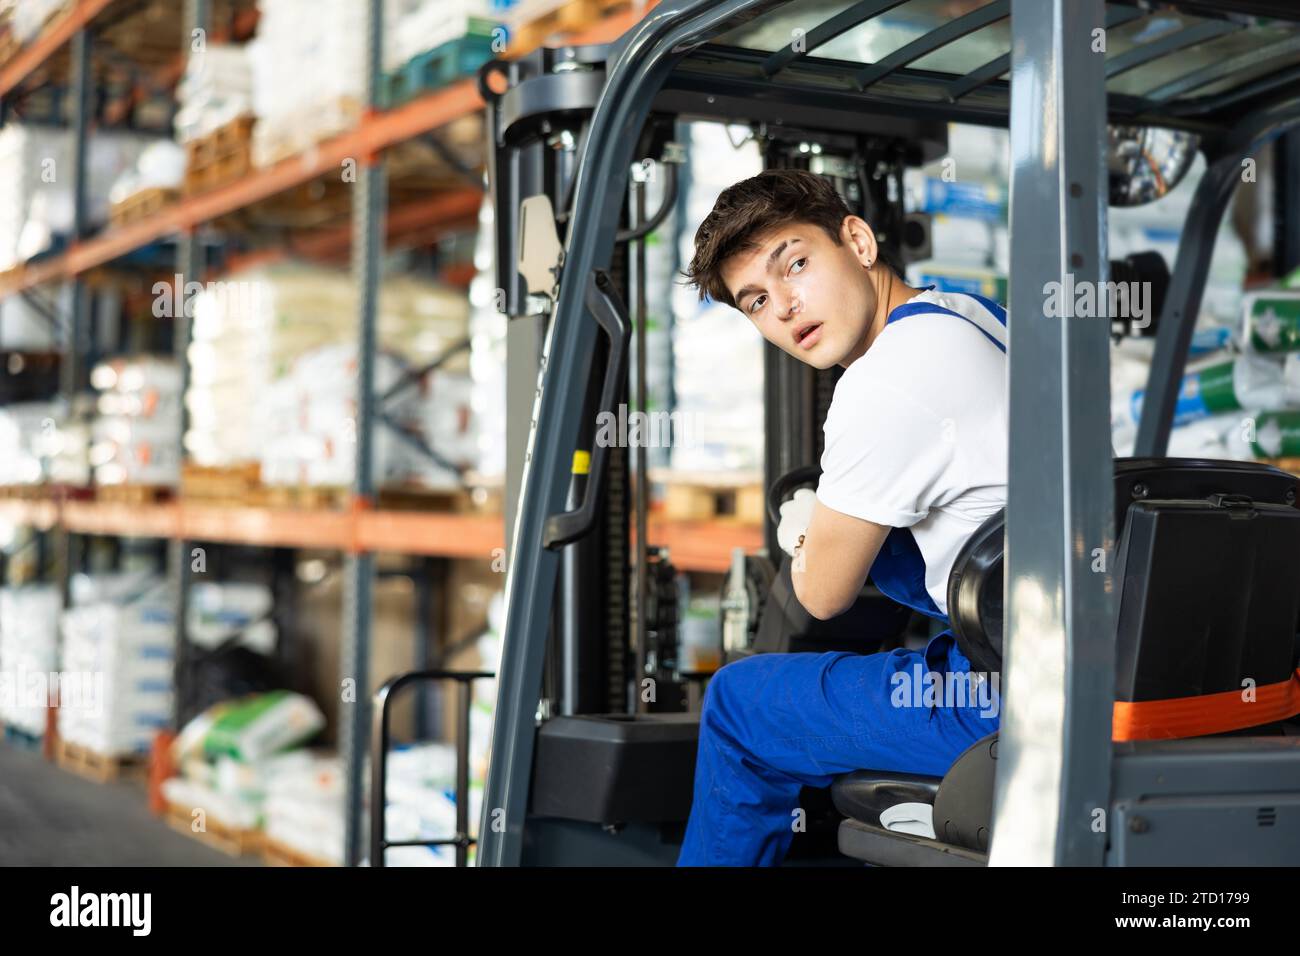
x=1210 y=597
x=1207 y=563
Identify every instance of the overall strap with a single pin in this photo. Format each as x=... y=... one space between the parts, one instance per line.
x=899 y=568
x=993 y=326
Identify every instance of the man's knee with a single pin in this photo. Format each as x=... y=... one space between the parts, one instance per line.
x=730 y=692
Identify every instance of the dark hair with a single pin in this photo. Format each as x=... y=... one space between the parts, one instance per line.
x=775 y=197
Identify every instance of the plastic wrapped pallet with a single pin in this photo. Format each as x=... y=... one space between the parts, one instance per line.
x=421 y=803
x=265 y=335
x=23 y=428
x=36 y=184
x=137 y=432
x=230 y=791
x=217 y=87
x=29 y=636
x=221 y=610
x=1224 y=383
x=160 y=165
x=427 y=24
x=125 y=634
x=44 y=442
x=296 y=107
x=304 y=808
x=315 y=409
x=26 y=18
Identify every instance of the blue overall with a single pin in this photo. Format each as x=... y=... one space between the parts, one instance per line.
x=774 y=723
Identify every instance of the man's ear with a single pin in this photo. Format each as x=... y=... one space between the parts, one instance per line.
x=860 y=239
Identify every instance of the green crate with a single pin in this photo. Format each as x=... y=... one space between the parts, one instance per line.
x=438 y=67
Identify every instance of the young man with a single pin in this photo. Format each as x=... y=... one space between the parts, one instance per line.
x=915 y=459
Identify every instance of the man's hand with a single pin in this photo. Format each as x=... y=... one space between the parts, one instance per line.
x=796 y=515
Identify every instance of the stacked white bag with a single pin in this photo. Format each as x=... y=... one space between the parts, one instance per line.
x=25 y=430
x=26 y=18
x=311 y=104
x=303 y=808
x=217 y=87
x=274 y=373
x=119 y=629
x=136 y=436
x=36 y=184
x=29 y=640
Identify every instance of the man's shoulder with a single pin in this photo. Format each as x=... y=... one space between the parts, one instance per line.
x=905 y=351
x=933 y=350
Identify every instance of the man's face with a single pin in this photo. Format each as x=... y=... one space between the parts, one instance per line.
x=808 y=296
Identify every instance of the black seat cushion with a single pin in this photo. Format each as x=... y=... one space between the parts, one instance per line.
x=881 y=847
x=863 y=794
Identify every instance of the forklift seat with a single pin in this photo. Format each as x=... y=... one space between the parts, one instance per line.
x=1207 y=558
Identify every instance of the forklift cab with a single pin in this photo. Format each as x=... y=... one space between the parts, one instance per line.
x=1119 y=600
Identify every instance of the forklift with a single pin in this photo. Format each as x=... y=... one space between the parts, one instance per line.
x=1114 y=596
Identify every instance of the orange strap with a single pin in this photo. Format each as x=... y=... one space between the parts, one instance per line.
x=1207 y=714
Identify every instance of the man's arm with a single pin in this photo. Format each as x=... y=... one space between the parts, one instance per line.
x=831 y=567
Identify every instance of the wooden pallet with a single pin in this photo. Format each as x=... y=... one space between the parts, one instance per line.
x=9 y=47
x=459 y=500
x=276 y=853
x=98 y=767
x=142 y=205
x=309 y=497
x=436 y=68
x=322 y=121
x=134 y=494
x=220 y=157
x=573 y=16
x=25 y=492
x=231 y=137
x=233 y=483
x=234 y=841
x=688 y=501
x=220 y=172
x=318 y=203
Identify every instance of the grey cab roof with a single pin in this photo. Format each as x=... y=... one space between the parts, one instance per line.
x=1192 y=65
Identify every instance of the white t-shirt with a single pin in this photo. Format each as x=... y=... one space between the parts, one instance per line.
x=916 y=435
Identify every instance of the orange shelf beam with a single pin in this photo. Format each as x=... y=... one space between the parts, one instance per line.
x=440 y=535
x=703 y=545
x=42 y=514
x=30 y=57
x=693 y=545
x=158 y=520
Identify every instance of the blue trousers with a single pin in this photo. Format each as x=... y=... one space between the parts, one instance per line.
x=774 y=723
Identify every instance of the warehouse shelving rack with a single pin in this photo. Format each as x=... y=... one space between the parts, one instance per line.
x=360 y=530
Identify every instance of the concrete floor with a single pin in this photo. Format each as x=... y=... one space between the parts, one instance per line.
x=50 y=817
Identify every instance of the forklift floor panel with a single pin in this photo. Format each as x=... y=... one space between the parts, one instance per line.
x=50 y=817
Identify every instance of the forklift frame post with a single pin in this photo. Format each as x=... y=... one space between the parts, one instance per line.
x=644 y=57
x=1058 y=662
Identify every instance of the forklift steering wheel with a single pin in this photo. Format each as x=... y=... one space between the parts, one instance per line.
x=785 y=486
